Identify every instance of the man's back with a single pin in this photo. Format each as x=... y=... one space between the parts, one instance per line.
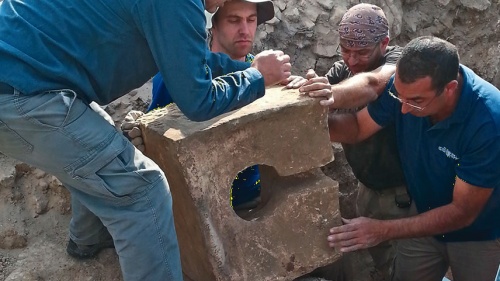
x=109 y=56
x=102 y=50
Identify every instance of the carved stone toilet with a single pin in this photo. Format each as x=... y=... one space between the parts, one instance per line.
x=286 y=134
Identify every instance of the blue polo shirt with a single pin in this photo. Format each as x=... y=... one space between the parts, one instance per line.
x=464 y=145
x=102 y=49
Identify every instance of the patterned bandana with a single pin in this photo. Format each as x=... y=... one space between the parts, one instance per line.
x=363 y=25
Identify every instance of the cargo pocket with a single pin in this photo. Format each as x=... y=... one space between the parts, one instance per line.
x=51 y=109
x=117 y=173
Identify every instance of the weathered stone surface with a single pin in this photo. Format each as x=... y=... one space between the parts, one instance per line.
x=285 y=237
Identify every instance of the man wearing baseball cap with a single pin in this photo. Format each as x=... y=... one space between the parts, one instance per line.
x=232 y=30
x=233 y=26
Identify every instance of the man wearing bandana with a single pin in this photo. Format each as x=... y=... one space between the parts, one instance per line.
x=367 y=64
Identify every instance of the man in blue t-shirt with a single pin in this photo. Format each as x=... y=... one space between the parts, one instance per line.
x=232 y=28
x=448 y=135
x=232 y=31
x=58 y=56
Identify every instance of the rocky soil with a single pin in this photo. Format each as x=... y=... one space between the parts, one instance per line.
x=35 y=208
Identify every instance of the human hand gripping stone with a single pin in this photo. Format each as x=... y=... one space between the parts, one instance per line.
x=358 y=233
x=294 y=82
x=130 y=128
x=317 y=87
x=273 y=65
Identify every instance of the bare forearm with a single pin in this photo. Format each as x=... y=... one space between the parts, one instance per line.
x=351 y=127
x=362 y=232
x=434 y=222
x=353 y=93
x=362 y=88
x=343 y=127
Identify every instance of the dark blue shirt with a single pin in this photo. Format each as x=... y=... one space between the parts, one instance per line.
x=464 y=145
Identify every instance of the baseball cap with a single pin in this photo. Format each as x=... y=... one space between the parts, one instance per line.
x=265 y=11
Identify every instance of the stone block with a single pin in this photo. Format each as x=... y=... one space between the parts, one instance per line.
x=284 y=133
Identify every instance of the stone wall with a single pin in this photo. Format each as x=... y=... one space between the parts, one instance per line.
x=307 y=30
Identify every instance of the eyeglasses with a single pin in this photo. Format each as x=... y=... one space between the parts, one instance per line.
x=411 y=104
x=362 y=54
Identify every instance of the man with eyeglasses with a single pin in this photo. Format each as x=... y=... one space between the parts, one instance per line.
x=447 y=122
x=413 y=104
x=367 y=64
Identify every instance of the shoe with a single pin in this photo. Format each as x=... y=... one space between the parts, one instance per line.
x=86 y=252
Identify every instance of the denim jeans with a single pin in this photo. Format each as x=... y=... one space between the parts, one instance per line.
x=113 y=186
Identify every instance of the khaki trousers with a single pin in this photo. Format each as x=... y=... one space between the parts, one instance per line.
x=381 y=205
x=428 y=259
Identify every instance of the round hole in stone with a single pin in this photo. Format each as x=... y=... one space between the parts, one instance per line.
x=250 y=191
x=246 y=188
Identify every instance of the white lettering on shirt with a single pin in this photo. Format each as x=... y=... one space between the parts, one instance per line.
x=448 y=153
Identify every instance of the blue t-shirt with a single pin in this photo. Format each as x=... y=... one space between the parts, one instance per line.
x=246 y=186
x=102 y=49
x=464 y=145
x=161 y=97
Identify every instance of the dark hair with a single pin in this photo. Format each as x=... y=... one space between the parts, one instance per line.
x=215 y=17
x=429 y=56
x=210 y=38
